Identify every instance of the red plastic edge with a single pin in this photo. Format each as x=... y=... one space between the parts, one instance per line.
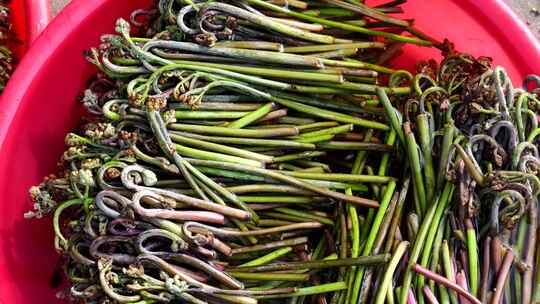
x=29 y=18
x=42 y=48
x=18 y=22
x=38 y=16
x=500 y=15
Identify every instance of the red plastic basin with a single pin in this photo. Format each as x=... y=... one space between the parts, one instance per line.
x=29 y=18
x=38 y=108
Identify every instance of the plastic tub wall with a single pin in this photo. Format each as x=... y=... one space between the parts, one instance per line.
x=29 y=19
x=39 y=107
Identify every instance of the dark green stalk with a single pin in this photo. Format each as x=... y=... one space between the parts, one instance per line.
x=191 y=152
x=219 y=148
x=368 y=246
x=398 y=214
x=306 y=215
x=425 y=137
x=346 y=145
x=414 y=159
x=339 y=54
x=282 y=199
x=329 y=131
x=446 y=145
x=332 y=47
x=427 y=250
x=209 y=114
x=301 y=155
x=280 y=176
x=223 y=131
x=306 y=291
x=336 y=24
x=271 y=245
x=249 y=141
x=266 y=22
x=270 y=276
x=265 y=259
x=392 y=114
x=217 y=106
x=421 y=239
x=368 y=11
x=315 y=139
x=317 y=264
x=216 y=198
x=222 y=191
x=340 y=177
x=326 y=114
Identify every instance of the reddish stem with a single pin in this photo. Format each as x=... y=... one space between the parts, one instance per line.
x=445 y=282
x=496 y=252
x=430 y=296
x=410 y=298
x=502 y=276
x=461 y=280
x=485 y=269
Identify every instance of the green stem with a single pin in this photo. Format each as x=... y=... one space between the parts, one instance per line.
x=340 y=177
x=420 y=240
x=251 y=117
x=317 y=264
x=427 y=251
x=222 y=191
x=306 y=291
x=282 y=199
x=270 y=276
x=446 y=145
x=472 y=250
x=332 y=47
x=327 y=114
x=190 y=152
x=329 y=131
x=219 y=148
x=223 y=131
x=371 y=237
x=425 y=138
x=301 y=155
x=270 y=245
x=386 y=282
x=306 y=215
x=265 y=259
x=311 y=75
x=339 y=25
x=285 y=144
x=216 y=106
x=347 y=145
x=436 y=254
x=448 y=269
x=280 y=176
x=315 y=139
x=56 y=219
x=414 y=159
x=392 y=114
x=209 y=114
x=268 y=23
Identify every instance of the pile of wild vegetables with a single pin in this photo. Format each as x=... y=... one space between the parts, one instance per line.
x=262 y=151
